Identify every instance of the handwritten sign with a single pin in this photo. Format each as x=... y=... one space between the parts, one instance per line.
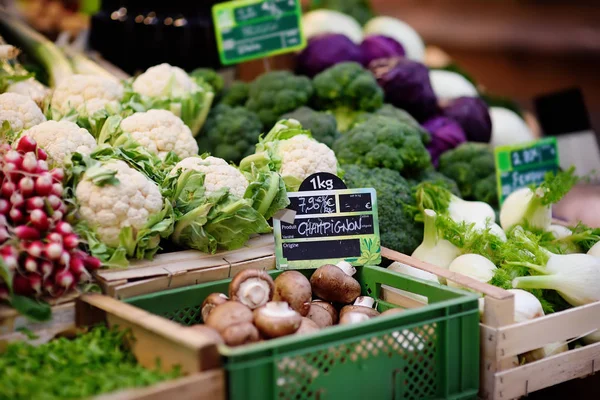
x=522 y=165
x=251 y=29
x=328 y=226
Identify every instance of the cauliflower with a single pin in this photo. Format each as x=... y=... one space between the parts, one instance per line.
x=86 y=94
x=61 y=139
x=218 y=174
x=160 y=132
x=111 y=207
x=32 y=89
x=292 y=152
x=20 y=111
x=164 y=80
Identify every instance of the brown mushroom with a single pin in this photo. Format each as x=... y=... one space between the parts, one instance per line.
x=208 y=332
x=252 y=287
x=307 y=326
x=352 y=318
x=239 y=334
x=323 y=313
x=293 y=288
x=335 y=283
x=392 y=311
x=213 y=300
x=276 y=319
x=364 y=305
x=228 y=319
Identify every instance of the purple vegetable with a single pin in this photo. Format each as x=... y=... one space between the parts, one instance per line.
x=378 y=46
x=406 y=85
x=446 y=134
x=325 y=51
x=473 y=115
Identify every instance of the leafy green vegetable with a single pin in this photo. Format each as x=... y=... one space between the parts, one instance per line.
x=236 y=95
x=91 y=364
x=388 y=110
x=36 y=310
x=321 y=125
x=267 y=192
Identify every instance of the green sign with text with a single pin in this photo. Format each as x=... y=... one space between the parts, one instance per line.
x=251 y=29
x=525 y=164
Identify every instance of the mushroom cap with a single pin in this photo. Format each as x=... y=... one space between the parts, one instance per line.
x=293 y=288
x=307 y=326
x=392 y=311
x=331 y=283
x=369 y=312
x=252 y=287
x=211 y=301
x=352 y=318
x=208 y=332
x=320 y=316
x=330 y=308
x=239 y=334
x=276 y=319
x=227 y=314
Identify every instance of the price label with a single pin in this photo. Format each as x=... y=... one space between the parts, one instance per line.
x=250 y=29
x=330 y=223
x=526 y=164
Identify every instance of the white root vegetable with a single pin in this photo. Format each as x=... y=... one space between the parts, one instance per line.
x=524 y=206
x=399 y=31
x=324 y=21
x=448 y=85
x=508 y=128
x=595 y=250
x=473 y=266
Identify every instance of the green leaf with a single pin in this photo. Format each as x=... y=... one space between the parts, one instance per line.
x=267 y=191
x=33 y=309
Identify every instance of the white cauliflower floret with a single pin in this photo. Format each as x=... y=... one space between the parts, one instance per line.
x=218 y=174
x=86 y=94
x=20 y=111
x=60 y=139
x=32 y=89
x=160 y=132
x=302 y=156
x=110 y=208
x=164 y=80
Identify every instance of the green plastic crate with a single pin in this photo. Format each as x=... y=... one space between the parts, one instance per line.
x=426 y=353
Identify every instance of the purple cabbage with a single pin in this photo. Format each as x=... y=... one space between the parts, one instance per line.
x=446 y=134
x=326 y=50
x=473 y=116
x=378 y=46
x=406 y=85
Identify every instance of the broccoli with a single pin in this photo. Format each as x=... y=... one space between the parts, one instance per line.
x=276 y=93
x=473 y=167
x=432 y=176
x=360 y=10
x=397 y=228
x=230 y=133
x=236 y=95
x=384 y=142
x=211 y=77
x=321 y=124
x=347 y=90
x=388 y=110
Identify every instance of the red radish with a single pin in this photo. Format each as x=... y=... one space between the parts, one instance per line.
x=54 y=201
x=13 y=173
x=3 y=220
x=54 y=237
x=39 y=219
x=65 y=258
x=30 y=163
x=7 y=190
x=49 y=287
x=22 y=285
x=16 y=215
x=36 y=282
x=64 y=279
x=43 y=185
x=30 y=264
x=13 y=157
x=78 y=270
x=4 y=235
x=4 y=206
x=71 y=241
x=53 y=250
x=7 y=251
x=4 y=295
x=35 y=249
x=42 y=155
x=64 y=228
x=34 y=203
x=26 y=144
x=58 y=174
x=57 y=189
x=26 y=186
x=42 y=165
x=46 y=268
x=25 y=232
x=57 y=216
x=92 y=263
x=17 y=199
x=5 y=147
x=10 y=262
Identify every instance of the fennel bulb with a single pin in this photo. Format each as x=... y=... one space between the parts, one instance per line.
x=595 y=250
x=474 y=266
x=415 y=273
x=508 y=128
x=559 y=231
x=546 y=351
x=471 y=212
x=527 y=306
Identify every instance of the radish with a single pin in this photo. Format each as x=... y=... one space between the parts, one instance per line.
x=30 y=264
x=46 y=268
x=71 y=241
x=64 y=279
x=13 y=157
x=30 y=163
x=22 y=285
x=26 y=144
x=5 y=147
x=35 y=249
x=17 y=199
x=10 y=261
x=50 y=288
x=54 y=201
x=77 y=268
x=54 y=237
x=3 y=220
x=58 y=174
x=34 y=203
x=53 y=250
x=42 y=155
x=4 y=207
x=4 y=295
x=16 y=215
x=7 y=190
x=43 y=185
x=26 y=186
x=57 y=216
x=42 y=165
x=25 y=232
x=63 y=228
x=57 y=189
x=3 y=234
x=39 y=219
x=65 y=258
x=8 y=251
x=92 y=263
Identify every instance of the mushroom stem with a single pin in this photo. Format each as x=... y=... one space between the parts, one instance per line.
x=353 y=318
x=364 y=301
x=254 y=291
x=346 y=267
x=278 y=309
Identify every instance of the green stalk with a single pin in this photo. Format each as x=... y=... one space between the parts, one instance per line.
x=430 y=233
x=535 y=267
x=265 y=204
x=536 y=282
x=194 y=216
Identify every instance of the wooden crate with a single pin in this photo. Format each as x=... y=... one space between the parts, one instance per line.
x=502 y=340
x=184 y=268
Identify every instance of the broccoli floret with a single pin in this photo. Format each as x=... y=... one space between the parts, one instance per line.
x=276 y=93
x=230 y=133
x=432 y=176
x=321 y=124
x=236 y=95
x=360 y=10
x=384 y=143
x=472 y=167
x=389 y=110
x=397 y=228
x=211 y=77
x=347 y=90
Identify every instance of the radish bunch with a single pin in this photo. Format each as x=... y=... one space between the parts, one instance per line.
x=39 y=248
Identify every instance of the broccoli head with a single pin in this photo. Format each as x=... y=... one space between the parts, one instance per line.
x=360 y=10
x=322 y=125
x=473 y=168
x=432 y=176
x=275 y=93
x=211 y=77
x=347 y=90
x=383 y=142
x=236 y=95
x=230 y=133
x=397 y=228
x=388 y=110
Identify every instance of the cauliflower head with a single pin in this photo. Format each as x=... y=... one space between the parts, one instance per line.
x=32 y=89
x=86 y=94
x=109 y=208
x=164 y=80
x=20 y=111
x=302 y=156
x=160 y=132
x=217 y=174
x=60 y=139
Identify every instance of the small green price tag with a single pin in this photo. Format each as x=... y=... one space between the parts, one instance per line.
x=525 y=164
x=250 y=29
